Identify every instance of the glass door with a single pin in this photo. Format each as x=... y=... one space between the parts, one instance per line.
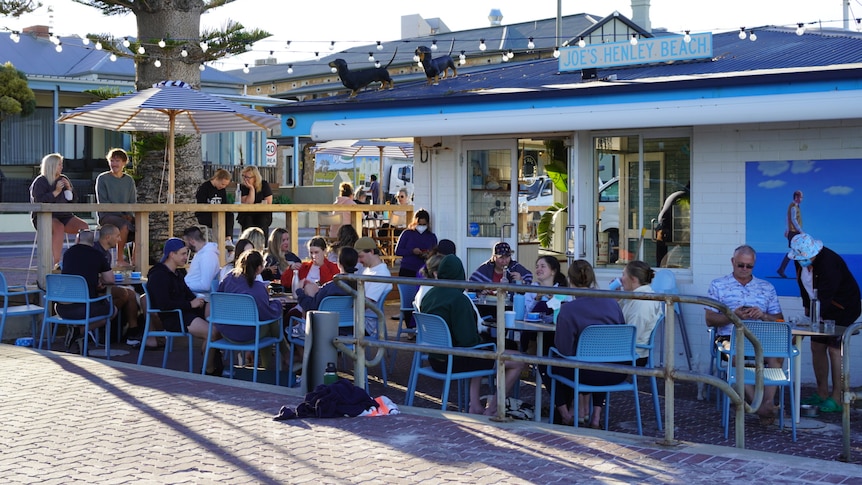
x=492 y=188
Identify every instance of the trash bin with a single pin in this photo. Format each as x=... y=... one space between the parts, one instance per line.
x=320 y=329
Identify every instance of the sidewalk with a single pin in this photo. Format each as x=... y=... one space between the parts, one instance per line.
x=73 y=419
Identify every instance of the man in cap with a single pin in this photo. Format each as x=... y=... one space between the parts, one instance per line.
x=502 y=268
x=369 y=256
x=824 y=275
x=169 y=291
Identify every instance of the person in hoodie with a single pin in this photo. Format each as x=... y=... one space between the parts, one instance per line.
x=244 y=280
x=457 y=310
x=205 y=264
x=415 y=244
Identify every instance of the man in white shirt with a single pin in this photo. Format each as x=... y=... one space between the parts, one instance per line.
x=204 y=267
x=369 y=256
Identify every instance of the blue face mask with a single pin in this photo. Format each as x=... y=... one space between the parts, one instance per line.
x=804 y=262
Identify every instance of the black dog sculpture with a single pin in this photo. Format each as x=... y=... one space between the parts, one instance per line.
x=358 y=79
x=436 y=69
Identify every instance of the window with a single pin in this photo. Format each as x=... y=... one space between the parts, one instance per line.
x=643 y=207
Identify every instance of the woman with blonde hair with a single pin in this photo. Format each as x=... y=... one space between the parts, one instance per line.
x=254 y=190
x=278 y=255
x=51 y=186
x=256 y=236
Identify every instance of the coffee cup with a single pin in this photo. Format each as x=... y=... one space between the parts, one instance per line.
x=510 y=318
x=118 y=276
x=534 y=316
x=136 y=275
x=471 y=295
x=68 y=194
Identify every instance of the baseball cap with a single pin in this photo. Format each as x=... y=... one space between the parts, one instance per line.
x=172 y=245
x=446 y=246
x=803 y=246
x=502 y=249
x=365 y=244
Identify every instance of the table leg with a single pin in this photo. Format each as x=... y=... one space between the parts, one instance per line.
x=797 y=377
x=537 y=409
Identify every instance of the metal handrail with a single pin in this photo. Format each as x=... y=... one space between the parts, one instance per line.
x=848 y=395
x=667 y=372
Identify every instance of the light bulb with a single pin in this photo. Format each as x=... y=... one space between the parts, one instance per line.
x=15 y=37
x=753 y=36
x=157 y=63
x=333 y=70
x=332 y=45
x=290 y=68
x=800 y=29
x=288 y=44
x=54 y=39
x=184 y=52
x=556 y=52
x=201 y=67
x=462 y=61
x=85 y=41
x=742 y=35
x=416 y=58
x=634 y=40
x=204 y=46
x=59 y=47
x=126 y=42
x=482 y=45
x=379 y=46
x=687 y=37
x=245 y=69
x=433 y=45
x=530 y=44
x=510 y=54
x=377 y=64
x=113 y=57
x=582 y=42
x=141 y=50
x=98 y=46
x=370 y=57
x=162 y=43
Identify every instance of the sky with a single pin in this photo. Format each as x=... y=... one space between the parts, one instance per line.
x=313 y=25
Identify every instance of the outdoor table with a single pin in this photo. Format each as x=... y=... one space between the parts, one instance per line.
x=487 y=305
x=799 y=332
x=540 y=328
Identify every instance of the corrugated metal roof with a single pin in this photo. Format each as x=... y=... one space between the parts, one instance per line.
x=775 y=50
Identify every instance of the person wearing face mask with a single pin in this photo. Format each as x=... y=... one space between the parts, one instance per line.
x=415 y=244
x=823 y=271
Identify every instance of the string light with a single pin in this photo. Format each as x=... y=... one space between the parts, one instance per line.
x=290 y=68
x=530 y=44
x=510 y=54
x=184 y=52
x=201 y=68
x=433 y=45
x=377 y=64
x=634 y=40
x=113 y=57
x=742 y=33
x=288 y=45
x=157 y=63
x=582 y=42
x=370 y=57
x=752 y=36
x=800 y=29
x=333 y=70
x=59 y=47
x=54 y=39
x=85 y=41
x=204 y=46
x=556 y=52
x=15 y=36
x=482 y=45
x=462 y=59
x=98 y=45
x=141 y=50
x=332 y=45
x=379 y=45
x=126 y=42
x=245 y=68
x=162 y=43
x=687 y=37
x=416 y=58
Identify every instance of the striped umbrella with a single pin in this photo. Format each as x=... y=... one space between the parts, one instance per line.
x=171 y=107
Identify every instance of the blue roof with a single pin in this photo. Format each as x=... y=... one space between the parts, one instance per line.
x=778 y=51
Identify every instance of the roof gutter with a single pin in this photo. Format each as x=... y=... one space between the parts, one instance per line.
x=683 y=112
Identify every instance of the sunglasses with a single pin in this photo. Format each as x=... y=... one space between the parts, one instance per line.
x=744 y=265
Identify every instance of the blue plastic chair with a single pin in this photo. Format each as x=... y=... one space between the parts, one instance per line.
x=381 y=303
x=432 y=330
x=600 y=343
x=26 y=310
x=406 y=293
x=168 y=335
x=67 y=288
x=777 y=341
x=239 y=309
x=651 y=364
x=342 y=305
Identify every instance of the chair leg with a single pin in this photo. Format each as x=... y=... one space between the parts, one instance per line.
x=655 y=403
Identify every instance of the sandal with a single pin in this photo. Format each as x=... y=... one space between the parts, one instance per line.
x=813 y=400
x=830 y=406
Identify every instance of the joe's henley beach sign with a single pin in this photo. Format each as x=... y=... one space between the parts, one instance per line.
x=646 y=51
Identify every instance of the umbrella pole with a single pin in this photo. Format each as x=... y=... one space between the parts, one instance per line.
x=171 y=174
x=380 y=185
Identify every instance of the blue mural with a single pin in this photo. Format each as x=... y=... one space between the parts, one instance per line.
x=831 y=207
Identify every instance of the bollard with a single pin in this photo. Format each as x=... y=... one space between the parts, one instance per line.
x=320 y=329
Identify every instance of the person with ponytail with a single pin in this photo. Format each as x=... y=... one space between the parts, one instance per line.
x=244 y=280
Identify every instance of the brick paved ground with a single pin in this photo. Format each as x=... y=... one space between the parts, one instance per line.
x=72 y=419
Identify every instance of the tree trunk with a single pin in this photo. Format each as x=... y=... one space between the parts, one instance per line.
x=176 y=20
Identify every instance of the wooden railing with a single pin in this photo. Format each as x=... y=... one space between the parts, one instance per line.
x=142 y=222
